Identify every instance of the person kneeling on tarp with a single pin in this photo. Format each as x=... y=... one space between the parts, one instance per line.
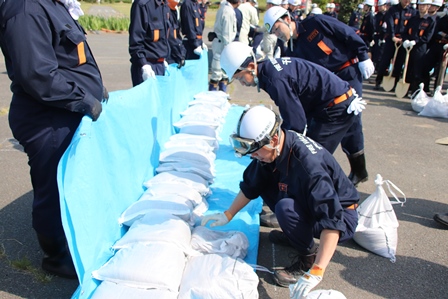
x=306 y=188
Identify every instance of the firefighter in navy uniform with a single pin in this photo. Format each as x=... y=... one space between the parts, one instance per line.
x=367 y=28
x=396 y=19
x=380 y=31
x=418 y=33
x=435 y=47
x=335 y=46
x=191 y=26
x=148 y=39
x=178 y=52
x=305 y=186
x=55 y=81
x=355 y=17
x=296 y=87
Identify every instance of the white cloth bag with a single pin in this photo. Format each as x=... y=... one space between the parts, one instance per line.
x=377 y=223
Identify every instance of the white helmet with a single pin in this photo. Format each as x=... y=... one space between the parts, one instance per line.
x=274 y=2
x=413 y=1
x=437 y=3
x=381 y=2
x=394 y=2
x=425 y=2
x=233 y=55
x=295 y=2
x=254 y=130
x=316 y=11
x=285 y=2
x=332 y=5
x=369 y=2
x=361 y=6
x=272 y=15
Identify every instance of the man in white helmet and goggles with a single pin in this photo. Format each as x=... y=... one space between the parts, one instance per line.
x=306 y=188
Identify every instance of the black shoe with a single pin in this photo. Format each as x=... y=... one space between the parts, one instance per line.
x=58 y=260
x=269 y=220
x=358 y=173
x=377 y=87
x=440 y=218
x=290 y=275
x=279 y=238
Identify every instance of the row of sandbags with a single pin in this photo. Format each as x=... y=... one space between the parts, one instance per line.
x=435 y=106
x=164 y=254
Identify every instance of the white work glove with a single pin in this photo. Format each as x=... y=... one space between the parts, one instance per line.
x=445 y=46
x=356 y=106
x=406 y=44
x=219 y=219
x=74 y=8
x=204 y=47
x=305 y=284
x=147 y=72
x=412 y=43
x=367 y=68
x=372 y=43
x=165 y=64
x=198 y=51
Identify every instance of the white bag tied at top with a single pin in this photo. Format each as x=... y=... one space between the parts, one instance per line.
x=377 y=223
x=419 y=99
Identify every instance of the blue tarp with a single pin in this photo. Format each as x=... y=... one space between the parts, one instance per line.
x=102 y=171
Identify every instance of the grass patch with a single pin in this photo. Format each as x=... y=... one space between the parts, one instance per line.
x=24 y=264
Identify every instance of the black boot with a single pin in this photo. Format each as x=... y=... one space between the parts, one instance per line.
x=213 y=85
x=290 y=275
x=223 y=85
x=358 y=172
x=57 y=260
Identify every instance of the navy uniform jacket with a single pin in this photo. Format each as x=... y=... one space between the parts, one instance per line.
x=397 y=18
x=367 y=28
x=148 y=31
x=48 y=61
x=327 y=42
x=299 y=88
x=380 y=30
x=332 y=14
x=355 y=18
x=177 y=47
x=419 y=29
x=191 y=26
x=307 y=173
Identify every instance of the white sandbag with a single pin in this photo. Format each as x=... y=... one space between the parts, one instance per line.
x=201 y=130
x=192 y=180
x=204 y=108
x=377 y=222
x=188 y=155
x=200 y=119
x=419 y=99
x=176 y=205
x=437 y=106
x=325 y=294
x=198 y=144
x=231 y=243
x=157 y=265
x=207 y=173
x=157 y=227
x=172 y=188
x=214 y=276
x=212 y=141
x=111 y=290
x=211 y=94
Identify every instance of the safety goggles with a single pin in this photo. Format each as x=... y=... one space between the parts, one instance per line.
x=245 y=146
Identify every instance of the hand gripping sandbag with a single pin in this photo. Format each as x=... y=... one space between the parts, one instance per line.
x=377 y=223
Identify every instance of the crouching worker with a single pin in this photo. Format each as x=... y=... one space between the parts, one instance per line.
x=306 y=188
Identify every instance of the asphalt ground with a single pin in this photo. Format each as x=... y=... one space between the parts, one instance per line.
x=399 y=145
